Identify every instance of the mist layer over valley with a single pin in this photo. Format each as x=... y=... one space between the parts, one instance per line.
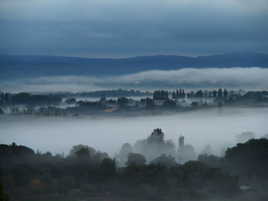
x=133 y=100
x=217 y=127
x=191 y=78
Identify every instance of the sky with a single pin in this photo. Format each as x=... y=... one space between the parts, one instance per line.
x=123 y=28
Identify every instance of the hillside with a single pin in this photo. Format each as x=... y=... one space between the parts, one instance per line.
x=14 y=66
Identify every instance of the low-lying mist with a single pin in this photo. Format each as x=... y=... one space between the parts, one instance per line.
x=218 y=127
x=250 y=78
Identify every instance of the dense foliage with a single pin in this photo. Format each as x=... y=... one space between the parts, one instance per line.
x=87 y=174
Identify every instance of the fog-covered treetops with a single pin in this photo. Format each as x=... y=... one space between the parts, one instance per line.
x=153 y=174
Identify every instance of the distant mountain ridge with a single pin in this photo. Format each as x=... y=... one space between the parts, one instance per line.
x=23 y=66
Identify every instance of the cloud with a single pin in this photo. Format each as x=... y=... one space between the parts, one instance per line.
x=246 y=78
x=127 y=28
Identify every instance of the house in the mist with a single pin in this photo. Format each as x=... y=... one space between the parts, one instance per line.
x=183 y=103
x=159 y=102
x=111 y=106
x=131 y=103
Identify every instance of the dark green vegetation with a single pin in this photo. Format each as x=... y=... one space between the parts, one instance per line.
x=86 y=174
x=109 y=93
x=29 y=99
x=120 y=101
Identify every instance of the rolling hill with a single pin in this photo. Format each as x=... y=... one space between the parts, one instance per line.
x=23 y=66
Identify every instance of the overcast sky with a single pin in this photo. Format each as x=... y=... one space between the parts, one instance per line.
x=121 y=28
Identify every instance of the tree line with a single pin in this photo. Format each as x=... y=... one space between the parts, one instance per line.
x=88 y=174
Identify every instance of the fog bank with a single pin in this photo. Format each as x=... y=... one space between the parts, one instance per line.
x=217 y=127
x=249 y=78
